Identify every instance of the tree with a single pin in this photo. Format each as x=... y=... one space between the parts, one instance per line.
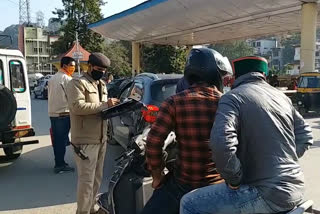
x=234 y=50
x=163 y=59
x=119 y=55
x=289 y=49
x=78 y=14
x=40 y=19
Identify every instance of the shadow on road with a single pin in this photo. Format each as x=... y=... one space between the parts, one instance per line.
x=29 y=181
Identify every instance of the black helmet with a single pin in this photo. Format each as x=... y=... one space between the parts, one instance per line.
x=207 y=65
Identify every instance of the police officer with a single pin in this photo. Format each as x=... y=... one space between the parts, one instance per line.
x=87 y=97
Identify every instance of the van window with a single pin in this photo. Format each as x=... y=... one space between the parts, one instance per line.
x=18 y=83
x=1 y=73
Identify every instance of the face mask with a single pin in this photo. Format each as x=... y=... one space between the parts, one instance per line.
x=71 y=70
x=96 y=75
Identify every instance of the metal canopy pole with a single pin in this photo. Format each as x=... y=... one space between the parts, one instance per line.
x=78 y=61
x=135 y=58
x=308 y=37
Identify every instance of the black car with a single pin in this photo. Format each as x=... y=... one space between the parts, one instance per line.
x=114 y=87
x=151 y=90
x=42 y=89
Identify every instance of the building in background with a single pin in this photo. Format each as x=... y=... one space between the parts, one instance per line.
x=297 y=64
x=276 y=60
x=269 y=49
x=263 y=47
x=35 y=44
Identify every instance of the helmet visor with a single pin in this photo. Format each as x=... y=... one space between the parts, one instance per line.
x=224 y=65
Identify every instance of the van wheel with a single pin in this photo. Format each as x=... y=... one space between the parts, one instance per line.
x=12 y=152
x=8 y=107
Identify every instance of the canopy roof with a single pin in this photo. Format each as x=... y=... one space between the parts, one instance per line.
x=191 y=22
x=71 y=51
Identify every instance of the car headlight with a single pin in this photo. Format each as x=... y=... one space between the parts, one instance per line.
x=299 y=103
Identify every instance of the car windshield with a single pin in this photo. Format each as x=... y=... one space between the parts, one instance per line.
x=161 y=90
x=309 y=82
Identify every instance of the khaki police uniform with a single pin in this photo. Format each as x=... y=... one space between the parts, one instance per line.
x=87 y=98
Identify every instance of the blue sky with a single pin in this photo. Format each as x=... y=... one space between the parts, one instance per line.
x=10 y=9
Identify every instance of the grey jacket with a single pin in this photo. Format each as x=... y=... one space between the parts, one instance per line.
x=257 y=139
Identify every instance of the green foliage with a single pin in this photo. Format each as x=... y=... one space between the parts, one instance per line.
x=78 y=14
x=119 y=55
x=163 y=59
x=273 y=70
x=286 y=68
x=289 y=49
x=234 y=50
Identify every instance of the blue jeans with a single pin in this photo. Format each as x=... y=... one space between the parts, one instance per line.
x=60 y=132
x=220 y=199
x=166 y=199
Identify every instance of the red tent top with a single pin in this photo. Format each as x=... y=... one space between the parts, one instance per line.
x=71 y=51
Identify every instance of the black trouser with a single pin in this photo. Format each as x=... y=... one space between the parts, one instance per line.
x=60 y=132
x=166 y=199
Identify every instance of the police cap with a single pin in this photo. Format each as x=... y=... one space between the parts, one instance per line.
x=99 y=59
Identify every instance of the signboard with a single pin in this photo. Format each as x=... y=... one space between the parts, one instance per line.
x=77 y=55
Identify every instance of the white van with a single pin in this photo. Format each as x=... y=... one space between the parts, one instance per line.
x=15 y=104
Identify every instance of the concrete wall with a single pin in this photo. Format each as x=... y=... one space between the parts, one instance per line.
x=263 y=47
x=297 y=55
x=37 y=49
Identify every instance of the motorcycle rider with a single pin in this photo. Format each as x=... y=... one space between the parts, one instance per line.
x=256 y=140
x=190 y=114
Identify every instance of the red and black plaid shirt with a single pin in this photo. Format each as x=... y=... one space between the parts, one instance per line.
x=190 y=115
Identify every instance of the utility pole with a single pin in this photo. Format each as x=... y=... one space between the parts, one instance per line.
x=78 y=61
x=24 y=12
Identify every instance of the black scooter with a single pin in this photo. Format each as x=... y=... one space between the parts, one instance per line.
x=130 y=185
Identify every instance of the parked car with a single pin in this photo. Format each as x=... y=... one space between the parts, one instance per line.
x=33 y=80
x=151 y=90
x=114 y=87
x=47 y=77
x=42 y=89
